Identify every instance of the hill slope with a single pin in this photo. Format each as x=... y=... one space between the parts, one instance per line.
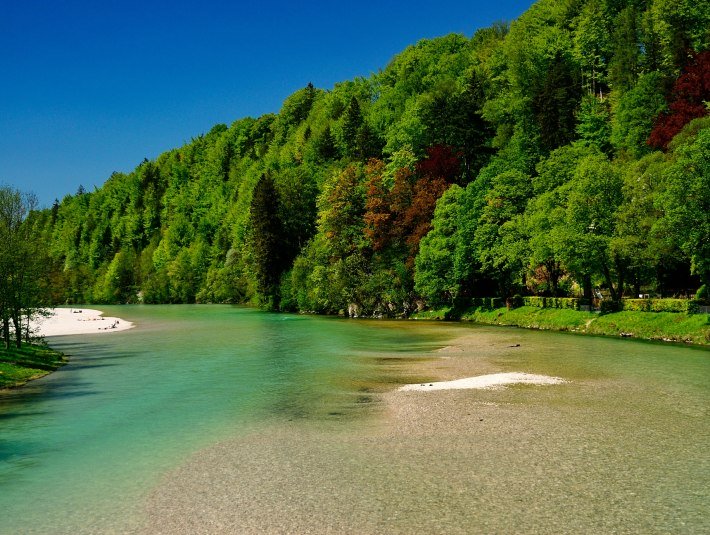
x=514 y=161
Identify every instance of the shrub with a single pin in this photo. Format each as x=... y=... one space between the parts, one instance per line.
x=637 y=305
x=607 y=306
x=497 y=302
x=514 y=302
x=661 y=305
x=703 y=295
x=563 y=302
x=533 y=301
x=487 y=303
x=694 y=307
x=552 y=302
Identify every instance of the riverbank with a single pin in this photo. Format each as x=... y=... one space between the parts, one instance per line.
x=32 y=361
x=664 y=326
x=18 y=366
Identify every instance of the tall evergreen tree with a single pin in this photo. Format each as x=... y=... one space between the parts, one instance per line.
x=555 y=104
x=351 y=126
x=267 y=260
x=624 y=65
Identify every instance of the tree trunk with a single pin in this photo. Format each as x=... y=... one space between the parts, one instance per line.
x=637 y=285
x=28 y=333
x=553 y=278
x=587 y=288
x=609 y=282
x=6 y=332
x=17 y=322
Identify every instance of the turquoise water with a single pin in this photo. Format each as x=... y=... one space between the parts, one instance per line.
x=82 y=450
x=83 y=445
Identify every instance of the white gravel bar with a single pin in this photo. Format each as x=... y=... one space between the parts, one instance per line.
x=487 y=381
x=65 y=321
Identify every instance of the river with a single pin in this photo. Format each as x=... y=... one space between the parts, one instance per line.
x=130 y=435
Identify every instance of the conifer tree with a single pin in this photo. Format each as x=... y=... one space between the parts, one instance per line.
x=267 y=262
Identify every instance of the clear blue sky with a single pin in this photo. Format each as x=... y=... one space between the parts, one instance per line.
x=88 y=87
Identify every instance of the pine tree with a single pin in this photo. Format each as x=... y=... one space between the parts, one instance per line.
x=555 y=104
x=624 y=65
x=351 y=127
x=266 y=257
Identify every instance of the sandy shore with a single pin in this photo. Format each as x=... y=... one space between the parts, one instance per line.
x=64 y=321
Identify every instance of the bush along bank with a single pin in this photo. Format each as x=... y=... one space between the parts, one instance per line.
x=666 y=326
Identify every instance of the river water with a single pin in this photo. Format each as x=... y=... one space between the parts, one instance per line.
x=84 y=449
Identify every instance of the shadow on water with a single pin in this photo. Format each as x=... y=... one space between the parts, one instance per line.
x=16 y=451
x=65 y=388
x=84 y=365
x=12 y=415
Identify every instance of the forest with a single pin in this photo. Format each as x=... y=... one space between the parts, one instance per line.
x=563 y=154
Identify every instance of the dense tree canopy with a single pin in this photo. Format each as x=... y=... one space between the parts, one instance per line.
x=564 y=152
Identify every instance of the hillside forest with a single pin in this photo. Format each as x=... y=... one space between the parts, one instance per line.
x=562 y=154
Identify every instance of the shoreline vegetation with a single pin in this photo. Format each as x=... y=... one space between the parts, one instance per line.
x=660 y=326
x=35 y=360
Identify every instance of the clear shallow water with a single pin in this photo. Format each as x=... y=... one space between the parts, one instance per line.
x=83 y=445
x=81 y=449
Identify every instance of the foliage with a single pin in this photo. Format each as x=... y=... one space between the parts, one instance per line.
x=21 y=266
x=688 y=100
x=552 y=302
x=703 y=294
x=512 y=162
x=635 y=112
x=659 y=305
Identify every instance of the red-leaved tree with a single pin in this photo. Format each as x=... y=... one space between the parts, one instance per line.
x=687 y=101
x=378 y=215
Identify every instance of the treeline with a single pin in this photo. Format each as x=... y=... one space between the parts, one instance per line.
x=566 y=151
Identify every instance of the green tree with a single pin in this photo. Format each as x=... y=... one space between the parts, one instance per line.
x=352 y=124
x=594 y=126
x=625 y=62
x=635 y=113
x=594 y=197
x=19 y=264
x=555 y=103
x=435 y=275
x=501 y=247
x=265 y=252
x=687 y=201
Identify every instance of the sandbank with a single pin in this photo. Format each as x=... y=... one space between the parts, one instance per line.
x=487 y=381
x=65 y=321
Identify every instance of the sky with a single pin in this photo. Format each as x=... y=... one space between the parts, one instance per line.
x=89 y=87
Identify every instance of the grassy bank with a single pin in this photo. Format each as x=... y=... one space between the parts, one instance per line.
x=668 y=326
x=17 y=366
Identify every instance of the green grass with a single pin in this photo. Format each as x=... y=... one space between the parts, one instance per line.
x=669 y=326
x=31 y=362
x=692 y=328
x=556 y=319
x=435 y=314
